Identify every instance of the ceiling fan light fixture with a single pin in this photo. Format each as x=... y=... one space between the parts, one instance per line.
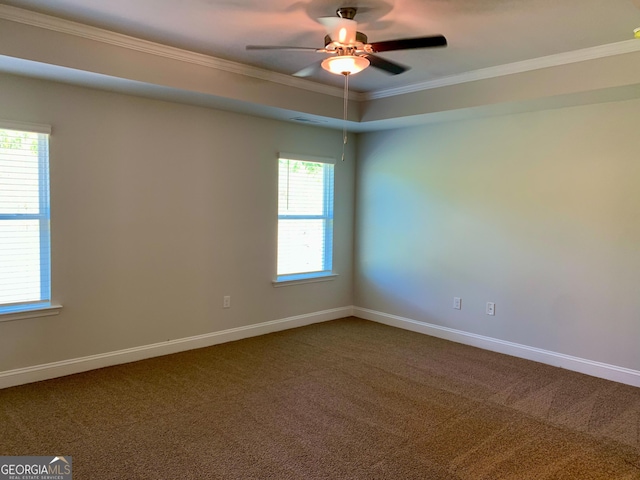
x=345 y=64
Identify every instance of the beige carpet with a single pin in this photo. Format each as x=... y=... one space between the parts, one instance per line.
x=348 y=399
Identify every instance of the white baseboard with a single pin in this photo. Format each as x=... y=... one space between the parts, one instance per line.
x=47 y=371
x=588 y=367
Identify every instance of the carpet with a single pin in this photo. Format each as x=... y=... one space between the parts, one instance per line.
x=346 y=399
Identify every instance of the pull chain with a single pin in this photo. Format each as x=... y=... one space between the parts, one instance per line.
x=344 y=118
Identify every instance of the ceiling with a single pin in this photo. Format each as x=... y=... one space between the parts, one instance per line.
x=481 y=33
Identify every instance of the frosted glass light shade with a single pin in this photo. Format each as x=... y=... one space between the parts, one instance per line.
x=340 y=30
x=345 y=64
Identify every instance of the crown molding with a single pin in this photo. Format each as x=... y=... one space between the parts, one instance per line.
x=592 y=53
x=60 y=25
x=48 y=22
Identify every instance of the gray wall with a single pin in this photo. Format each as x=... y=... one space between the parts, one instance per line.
x=158 y=210
x=537 y=212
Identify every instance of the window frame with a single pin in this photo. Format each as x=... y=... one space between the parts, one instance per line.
x=43 y=306
x=327 y=272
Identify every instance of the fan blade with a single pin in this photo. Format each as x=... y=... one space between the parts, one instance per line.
x=280 y=47
x=309 y=70
x=409 y=43
x=389 y=67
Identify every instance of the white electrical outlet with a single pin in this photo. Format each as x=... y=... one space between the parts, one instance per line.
x=457 y=303
x=491 y=308
x=226 y=301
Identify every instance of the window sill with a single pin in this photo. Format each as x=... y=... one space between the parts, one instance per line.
x=32 y=313
x=299 y=281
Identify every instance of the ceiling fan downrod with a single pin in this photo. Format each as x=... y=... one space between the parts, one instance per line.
x=347 y=12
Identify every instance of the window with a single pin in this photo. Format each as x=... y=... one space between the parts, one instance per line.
x=25 y=279
x=305 y=218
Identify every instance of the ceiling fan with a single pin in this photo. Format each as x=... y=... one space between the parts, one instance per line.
x=349 y=50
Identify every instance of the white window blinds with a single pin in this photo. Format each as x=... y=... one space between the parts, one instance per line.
x=25 y=254
x=305 y=218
